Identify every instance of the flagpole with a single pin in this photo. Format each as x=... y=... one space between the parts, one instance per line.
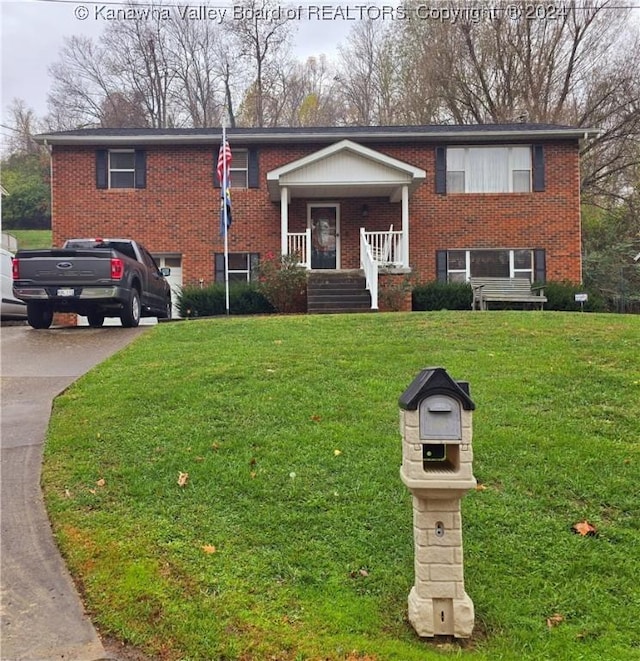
x=226 y=221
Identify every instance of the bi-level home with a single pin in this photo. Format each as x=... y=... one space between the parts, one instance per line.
x=442 y=202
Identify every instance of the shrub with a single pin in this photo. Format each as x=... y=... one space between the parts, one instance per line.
x=561 y=296
x=196 y=301
x=442 y=296
x=393 y=293
x=283 y=282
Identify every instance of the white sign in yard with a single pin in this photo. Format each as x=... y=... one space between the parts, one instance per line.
x=581 y=298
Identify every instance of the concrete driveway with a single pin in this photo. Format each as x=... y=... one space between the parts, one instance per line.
x=41 y=613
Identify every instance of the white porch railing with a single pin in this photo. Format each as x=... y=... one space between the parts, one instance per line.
x=299 y=243
x=370 y=267
x=386 y=247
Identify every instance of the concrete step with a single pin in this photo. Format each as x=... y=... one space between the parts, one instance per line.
x=337 y=291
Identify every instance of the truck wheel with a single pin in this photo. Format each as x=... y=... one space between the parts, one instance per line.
x=96 y=319
x=39 y=316
x=130 y=316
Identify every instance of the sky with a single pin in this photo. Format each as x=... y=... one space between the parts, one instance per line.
x=32 y=34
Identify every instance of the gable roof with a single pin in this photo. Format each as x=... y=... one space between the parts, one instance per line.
x=297 y=135
x=345 y=168
x=435 y=381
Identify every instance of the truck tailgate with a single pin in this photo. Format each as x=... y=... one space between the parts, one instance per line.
x=64 y=267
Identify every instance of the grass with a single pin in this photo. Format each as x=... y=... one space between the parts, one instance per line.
x=292 y=538
x=32 y=239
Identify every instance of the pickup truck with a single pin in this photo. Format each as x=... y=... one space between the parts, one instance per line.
x=96 y=278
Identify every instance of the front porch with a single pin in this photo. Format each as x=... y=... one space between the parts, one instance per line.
x=346 y=207
x=378 y=250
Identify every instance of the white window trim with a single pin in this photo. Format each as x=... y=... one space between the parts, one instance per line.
x=512 y=269
x=511 y=165
x=111 y=169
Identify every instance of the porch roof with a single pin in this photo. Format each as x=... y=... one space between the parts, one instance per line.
x=345 y=169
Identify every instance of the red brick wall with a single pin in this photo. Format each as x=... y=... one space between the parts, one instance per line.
x=178 y=211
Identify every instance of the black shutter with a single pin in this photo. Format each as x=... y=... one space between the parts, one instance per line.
x=538 y=169
x=219 y=274
x=253 y=173
x=216 y=182
x=441 y=170
x=441 y=265
x=539 y=265
x=140 y=168
x=102 y=176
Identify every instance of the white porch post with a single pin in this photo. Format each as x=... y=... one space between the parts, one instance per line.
x=284 y=220
x=405 y=227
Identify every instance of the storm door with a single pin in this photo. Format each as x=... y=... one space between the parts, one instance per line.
x=324 y=221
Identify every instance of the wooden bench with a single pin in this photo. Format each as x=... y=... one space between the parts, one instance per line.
x=505 y=290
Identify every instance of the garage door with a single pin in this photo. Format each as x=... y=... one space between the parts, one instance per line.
x=174 y=262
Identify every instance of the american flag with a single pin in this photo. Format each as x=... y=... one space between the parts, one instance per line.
x=224 y=163
x=224 y=177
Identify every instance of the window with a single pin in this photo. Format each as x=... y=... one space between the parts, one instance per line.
x=242 y=266
x=239 y=168
x=488 y=169
x=464 y=264
x=244 y=171
x=121 y=168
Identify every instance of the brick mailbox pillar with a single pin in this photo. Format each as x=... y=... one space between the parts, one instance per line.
x=436 y=429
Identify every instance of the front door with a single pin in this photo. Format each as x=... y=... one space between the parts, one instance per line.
x=324 y=221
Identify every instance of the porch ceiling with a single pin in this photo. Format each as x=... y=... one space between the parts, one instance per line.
x=345 y=169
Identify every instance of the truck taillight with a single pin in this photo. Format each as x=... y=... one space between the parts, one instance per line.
x=117 y=268
x=15 y=269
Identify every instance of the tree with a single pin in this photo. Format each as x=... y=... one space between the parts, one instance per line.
x=121 y=111
x=367 y=76
x=81 y=82
x=25 y=173
x=574 y=64
x=199 y=93
x=262 y=37
x=23 y=125
x=25 y=177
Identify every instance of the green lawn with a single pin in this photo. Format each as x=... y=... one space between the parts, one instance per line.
x=292 y=537
x=30 y=239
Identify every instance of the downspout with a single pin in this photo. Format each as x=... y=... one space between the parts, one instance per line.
x=405 y=227
x=49 y=148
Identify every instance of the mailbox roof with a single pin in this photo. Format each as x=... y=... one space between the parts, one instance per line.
x=435 y=381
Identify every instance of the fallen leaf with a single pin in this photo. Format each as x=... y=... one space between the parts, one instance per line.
x=555 y=620
x=253 y=475
x=67 y=493
x=93 y=491
x=215 y=446
x=183 y=479
x=209 y=548
x=481 y=487
x=316 y=418
x=337 y=452
x=584 y=528
x=101 y=482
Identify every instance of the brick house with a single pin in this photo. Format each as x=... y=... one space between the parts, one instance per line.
x=440 y=202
